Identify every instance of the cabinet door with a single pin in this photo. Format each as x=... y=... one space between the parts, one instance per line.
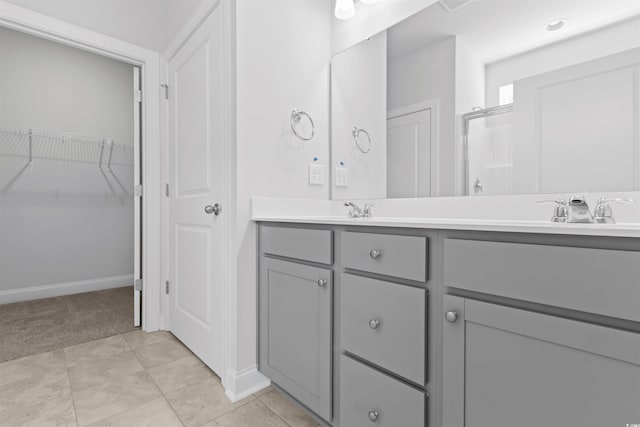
x=510 y=367
x=295 y=331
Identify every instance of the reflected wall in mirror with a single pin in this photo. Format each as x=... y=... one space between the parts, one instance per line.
x=481 y=99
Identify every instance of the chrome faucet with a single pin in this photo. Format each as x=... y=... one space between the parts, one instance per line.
x=356 y=212
x=576 y=210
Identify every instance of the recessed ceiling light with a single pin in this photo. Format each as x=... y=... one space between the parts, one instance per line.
x=554 y=25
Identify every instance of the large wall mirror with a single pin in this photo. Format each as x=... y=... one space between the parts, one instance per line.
x=491 y=97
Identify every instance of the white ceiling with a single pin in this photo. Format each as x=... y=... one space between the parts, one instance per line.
x=148 y=23
x=495 y=29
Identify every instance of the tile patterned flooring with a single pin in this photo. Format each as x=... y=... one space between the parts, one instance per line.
x=135 y=379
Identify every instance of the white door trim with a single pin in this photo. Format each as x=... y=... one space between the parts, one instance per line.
x=237 y=385
x=17 y=18
x=434 y=106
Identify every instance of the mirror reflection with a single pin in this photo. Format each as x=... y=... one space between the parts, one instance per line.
x=488 y=97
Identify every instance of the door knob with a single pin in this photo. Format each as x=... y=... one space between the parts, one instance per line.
x=375 y=253
x=215 y=209
x=374 y=323
x=373 y=416
x=322 y=283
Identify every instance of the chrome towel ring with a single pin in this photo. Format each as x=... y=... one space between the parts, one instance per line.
x=296 y=116
x=356 y=137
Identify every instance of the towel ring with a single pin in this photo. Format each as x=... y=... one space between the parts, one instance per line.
x=296 y=116
x=356 y=137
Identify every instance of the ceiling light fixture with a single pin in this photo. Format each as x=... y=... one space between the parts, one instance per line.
x=345 y=9
x=554 y=25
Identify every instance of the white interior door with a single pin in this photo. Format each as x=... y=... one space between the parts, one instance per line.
x=137 y=205
x=409 y=155
x=196 y=219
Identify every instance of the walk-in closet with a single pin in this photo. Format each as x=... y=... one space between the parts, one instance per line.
x=69 y=132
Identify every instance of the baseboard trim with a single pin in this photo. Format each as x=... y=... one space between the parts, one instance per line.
x=59 y=289
x=239 y=385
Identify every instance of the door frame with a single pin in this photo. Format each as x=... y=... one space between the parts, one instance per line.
x=234 y=383
x=36 y=24
x=434 y=106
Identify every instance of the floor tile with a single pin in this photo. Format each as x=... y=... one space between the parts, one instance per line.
x=98 y=402
x=30 y=366
x=151 y=414
x=162 y=352
x=181 y=373
x=52 y=412
x=287 y=410
x=33 y=380
x=95 y=350
x=253 y=414
x=263 y=391
x=201 y=403
x=138 y=339
x=99 y=371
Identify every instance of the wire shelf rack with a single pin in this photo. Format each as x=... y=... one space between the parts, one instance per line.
x=34 y=144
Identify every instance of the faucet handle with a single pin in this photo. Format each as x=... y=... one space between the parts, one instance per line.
x=560 y=210
x=367 y=212
x=603 y=212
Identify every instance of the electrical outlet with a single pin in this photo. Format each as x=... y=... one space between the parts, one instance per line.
x=342 y=176
x=316 y=174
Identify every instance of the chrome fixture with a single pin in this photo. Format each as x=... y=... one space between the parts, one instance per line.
x=375 y=253
x=560 y=210
x=356 y=212
x=322 y=283
x=374 y=323
x=296 y=117
x=356 y=137
x=477 y=186
x=373 y=416
x=603 y=214
x=213 y=209
x=576 y=210
x=451 y=316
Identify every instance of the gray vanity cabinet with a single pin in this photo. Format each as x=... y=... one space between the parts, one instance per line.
x=295 y=305
x=511 y=367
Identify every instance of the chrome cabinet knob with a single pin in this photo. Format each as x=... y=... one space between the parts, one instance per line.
x=374 y=323
x=215 y=209
x=373 y=416
x=451 y=316
x=322 y=283
x=375 y=253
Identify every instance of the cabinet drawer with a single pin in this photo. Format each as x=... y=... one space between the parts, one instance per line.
x=384 y=323
x=365 y=392
x=391 y=255
x=599 y=281
x=301 y=243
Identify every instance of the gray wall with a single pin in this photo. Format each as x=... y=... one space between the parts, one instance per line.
x=62 y=219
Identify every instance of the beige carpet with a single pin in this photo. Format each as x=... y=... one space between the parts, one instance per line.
x=32 y=327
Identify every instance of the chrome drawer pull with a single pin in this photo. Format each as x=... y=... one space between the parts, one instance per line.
x=451 y=316
x=374 y=323
x=375 y=253
x=322 y=283
x=373 y=416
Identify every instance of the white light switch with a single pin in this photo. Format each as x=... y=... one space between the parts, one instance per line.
x=316 y=174
x=342 y=176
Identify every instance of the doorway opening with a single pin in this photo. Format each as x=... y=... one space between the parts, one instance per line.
x=70 y=201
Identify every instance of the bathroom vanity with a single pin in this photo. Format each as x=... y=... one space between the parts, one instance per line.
x=397 y=324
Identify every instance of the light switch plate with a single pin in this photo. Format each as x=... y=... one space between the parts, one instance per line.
x=342 y=176
x=316 y=174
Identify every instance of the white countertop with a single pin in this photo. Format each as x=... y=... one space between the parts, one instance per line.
x=612 y=230
x=514 y=214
